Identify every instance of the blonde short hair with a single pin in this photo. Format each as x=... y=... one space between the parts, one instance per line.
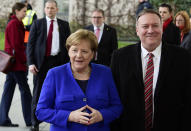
x=82 y=34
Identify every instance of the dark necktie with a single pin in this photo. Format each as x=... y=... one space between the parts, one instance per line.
x=148 y=81
x=49 y=39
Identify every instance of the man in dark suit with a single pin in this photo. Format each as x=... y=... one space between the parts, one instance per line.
x=171 y=33
x=107 y=37
x=155 y=71
x=45 y=50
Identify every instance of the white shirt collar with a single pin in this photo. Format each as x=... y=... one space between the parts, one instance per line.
x=101 y=27
x=48 y=19
x=155 y=52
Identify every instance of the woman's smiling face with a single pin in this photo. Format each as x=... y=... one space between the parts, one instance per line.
x=80 y=55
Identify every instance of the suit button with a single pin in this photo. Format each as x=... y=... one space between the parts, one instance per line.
x=84 y=99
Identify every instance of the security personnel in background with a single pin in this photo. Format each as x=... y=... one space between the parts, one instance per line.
x=29 y=18
x=143 y=4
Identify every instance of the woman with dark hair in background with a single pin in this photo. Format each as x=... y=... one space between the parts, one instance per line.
x=182 y=21
x=14 y=45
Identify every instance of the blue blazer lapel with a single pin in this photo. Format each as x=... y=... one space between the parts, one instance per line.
x=74 y=84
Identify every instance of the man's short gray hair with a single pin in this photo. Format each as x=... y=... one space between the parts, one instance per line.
x=148 y=11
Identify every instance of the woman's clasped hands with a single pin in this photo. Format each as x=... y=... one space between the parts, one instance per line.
x=83 y=117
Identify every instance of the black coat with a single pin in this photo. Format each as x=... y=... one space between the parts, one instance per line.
x=36 y=47
x=172 y=99
x=107 y=44
x=186 y=43
x=171 y=34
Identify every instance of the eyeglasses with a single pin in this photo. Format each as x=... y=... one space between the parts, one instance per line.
x=179 y=20
x=99 y=17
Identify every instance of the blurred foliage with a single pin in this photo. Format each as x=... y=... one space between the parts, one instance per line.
x=75 y=26
x=124 y=43
x=3 y=23
x=2 y=37
x=125 y=33
x=177 y=5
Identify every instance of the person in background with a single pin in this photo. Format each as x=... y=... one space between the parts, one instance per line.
x=46 y=49
x=9 y=17
x=190 y=15
x=14 y=45
x=171 y=33
x=143 y=4
x=182 y=21
x=79 y=96
x=153 y=79
x=106 y=35
x=28 y=20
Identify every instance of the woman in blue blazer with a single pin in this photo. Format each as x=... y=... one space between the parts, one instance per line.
x=79 y=96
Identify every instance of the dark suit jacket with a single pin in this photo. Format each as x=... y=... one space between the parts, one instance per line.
x=36 y=47
x=171 y=34
x=172 y=99
x=186 y=43
x=107 y=44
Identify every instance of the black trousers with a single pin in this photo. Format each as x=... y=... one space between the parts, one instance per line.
x=49 y=62
x=13 y=78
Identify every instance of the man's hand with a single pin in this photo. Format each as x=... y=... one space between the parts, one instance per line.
x=33 y=69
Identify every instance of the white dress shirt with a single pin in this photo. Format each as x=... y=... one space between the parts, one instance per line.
x=156 y=61
x=101 y=31
x=55 y=36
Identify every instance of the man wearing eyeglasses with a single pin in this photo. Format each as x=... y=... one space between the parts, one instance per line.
x=106 y=35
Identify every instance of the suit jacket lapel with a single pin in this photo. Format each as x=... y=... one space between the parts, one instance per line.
x=165 y=64
x=104 y=34
x=138 y=65
x=91 y=28
x=44 y=30
x=60 y=27
x=62 y=34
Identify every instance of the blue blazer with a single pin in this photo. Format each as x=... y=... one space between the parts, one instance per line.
x=61 y=94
